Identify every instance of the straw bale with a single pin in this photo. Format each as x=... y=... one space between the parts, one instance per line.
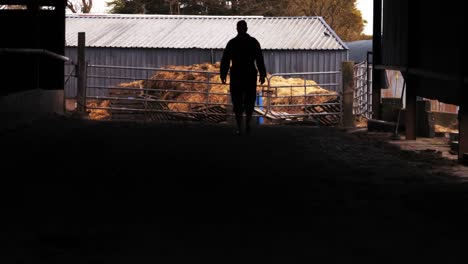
x=289 y=95
x=98 y=114
x=443 y=129
x=138 y=85
x=169 y=86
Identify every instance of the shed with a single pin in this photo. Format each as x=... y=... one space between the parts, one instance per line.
x=289 y=44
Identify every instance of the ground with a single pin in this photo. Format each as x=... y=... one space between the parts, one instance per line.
x=81 y=191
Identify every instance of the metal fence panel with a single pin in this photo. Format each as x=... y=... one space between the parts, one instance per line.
x=275 y=61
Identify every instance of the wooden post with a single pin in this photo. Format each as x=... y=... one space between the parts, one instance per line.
x=376 y=59
x=348 y=93
x=81 y=73
x=410 y=113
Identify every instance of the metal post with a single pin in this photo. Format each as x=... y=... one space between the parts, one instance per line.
x=81 y=73
x=410 y=114
x=369 y=86
x=376 y=58
x=348 y=93
x=208 y=88
x=305 y=95
x=260 y=102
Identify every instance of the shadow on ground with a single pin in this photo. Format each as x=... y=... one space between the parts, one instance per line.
x=101 y=192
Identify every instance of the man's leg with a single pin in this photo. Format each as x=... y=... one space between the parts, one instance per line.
x=249 y=101
x=236 y=98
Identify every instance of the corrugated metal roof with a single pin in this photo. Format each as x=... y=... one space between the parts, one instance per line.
x=358 y=50
x=203 y=32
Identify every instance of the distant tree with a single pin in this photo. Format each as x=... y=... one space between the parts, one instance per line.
x=80 y=6
x=260 y=7
x=174 y=7
x=342 y=15
x=142 y=6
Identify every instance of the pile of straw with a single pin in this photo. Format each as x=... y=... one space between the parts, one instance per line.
x=191 y=94
x=136 y=89
x=184 y=96
x=443 y=129
x=98 y=114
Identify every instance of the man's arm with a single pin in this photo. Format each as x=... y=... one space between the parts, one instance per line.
x=225 y=62
x=260 y=63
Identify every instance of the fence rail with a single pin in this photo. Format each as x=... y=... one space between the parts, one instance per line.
x=362 y=103
x=196 y=93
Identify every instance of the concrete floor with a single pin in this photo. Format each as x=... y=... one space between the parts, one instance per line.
x=77 y=191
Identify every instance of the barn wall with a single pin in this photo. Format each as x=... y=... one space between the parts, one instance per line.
x=431 y=41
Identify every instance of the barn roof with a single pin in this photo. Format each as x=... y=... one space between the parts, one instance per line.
x=358 y=50
x=202 y=32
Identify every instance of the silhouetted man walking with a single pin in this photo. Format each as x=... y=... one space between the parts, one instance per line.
x=246 y=55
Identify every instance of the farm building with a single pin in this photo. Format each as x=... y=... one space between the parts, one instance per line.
x=290 y=44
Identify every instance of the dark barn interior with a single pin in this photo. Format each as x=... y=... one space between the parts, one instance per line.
x=39 y=26
x=425 y=42
x=75 y=190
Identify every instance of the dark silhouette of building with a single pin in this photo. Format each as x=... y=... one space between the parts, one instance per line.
x=30 y=35
x=425 y=42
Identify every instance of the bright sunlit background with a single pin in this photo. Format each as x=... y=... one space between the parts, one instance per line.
x=99 y=6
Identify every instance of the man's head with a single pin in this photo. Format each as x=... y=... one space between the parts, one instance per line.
x=242 y=27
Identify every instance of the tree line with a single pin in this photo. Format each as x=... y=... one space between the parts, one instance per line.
x=341 y=15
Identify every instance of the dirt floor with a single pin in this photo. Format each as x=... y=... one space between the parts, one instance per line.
x=80 y=191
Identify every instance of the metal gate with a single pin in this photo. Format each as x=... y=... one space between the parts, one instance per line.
x=362 y=105
x=142 y=93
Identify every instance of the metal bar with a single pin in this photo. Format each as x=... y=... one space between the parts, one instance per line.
x=309 y=85
x=308 y=95
x=145 y=89
x=147 y=68
x=369 y=85
x=149 y=100
x=308 y=114
x=208 y=87
x=290 y=105
x=69 y=76
x=43 y=52
x=155 y=110
x=303 y=73
x=305 y=94
x=145 y=79
x=360 y=104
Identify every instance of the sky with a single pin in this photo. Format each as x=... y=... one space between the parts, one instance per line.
x=365 y=6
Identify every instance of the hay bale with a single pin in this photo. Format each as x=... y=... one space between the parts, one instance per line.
x=443 y=129
x=289 y=95
x=136 y=89
x=98 y=114
x=191 y=94
x=186 y=95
